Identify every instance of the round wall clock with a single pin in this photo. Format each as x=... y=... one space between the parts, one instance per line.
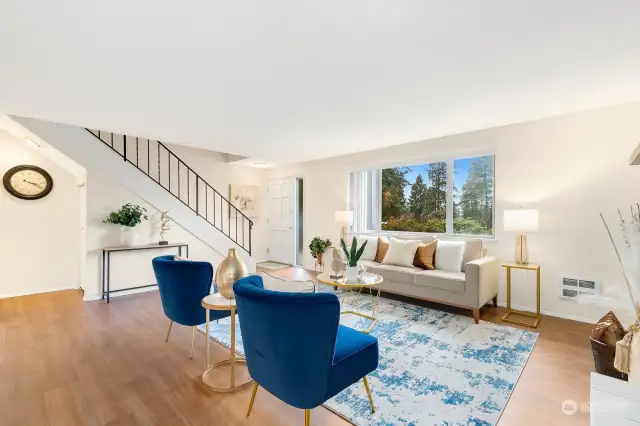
x=27 y=182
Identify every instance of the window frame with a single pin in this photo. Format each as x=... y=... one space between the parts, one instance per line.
x=449 y=160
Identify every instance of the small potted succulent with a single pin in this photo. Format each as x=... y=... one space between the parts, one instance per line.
x=317 y=247
x=127 y=217
x=353 y=255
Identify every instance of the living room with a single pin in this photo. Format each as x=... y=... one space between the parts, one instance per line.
x=286 y=214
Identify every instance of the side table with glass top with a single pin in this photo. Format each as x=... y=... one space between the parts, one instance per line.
x=217 y=302
x=536 y=316
x=348 y=290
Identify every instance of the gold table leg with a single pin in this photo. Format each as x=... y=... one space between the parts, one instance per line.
x=232 y=361
x=509 y=311
x=374 y=309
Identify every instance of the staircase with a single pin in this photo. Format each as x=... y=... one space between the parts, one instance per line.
x=153 y=172
x=165 y=168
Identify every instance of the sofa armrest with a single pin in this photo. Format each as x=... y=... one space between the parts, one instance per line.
x=481 y=276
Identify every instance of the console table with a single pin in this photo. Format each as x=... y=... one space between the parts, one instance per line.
x=106 y=264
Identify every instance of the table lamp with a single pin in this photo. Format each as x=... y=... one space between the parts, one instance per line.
x=521 y=221
x=345 y=218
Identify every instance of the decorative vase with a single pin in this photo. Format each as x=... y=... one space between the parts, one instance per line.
x=634 y=360
x=128 y=236
x=229 y=271
x=319 y=257
x=352 y=274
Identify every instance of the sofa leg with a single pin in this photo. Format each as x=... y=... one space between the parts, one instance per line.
x=495 y=302
x=476 y=316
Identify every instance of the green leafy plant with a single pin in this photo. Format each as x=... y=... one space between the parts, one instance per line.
x=129 y=215
x=318 y=245
x=354 y=254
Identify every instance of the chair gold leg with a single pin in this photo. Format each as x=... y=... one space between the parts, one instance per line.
x=253 y=397
x=307 y=417
x=366 y=386
x=193 y=341
x=169 y=331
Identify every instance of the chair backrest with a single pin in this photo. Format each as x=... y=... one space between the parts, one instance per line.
x=182 y=285
x=289 y=340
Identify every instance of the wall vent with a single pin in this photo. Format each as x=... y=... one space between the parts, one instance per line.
x=572 y=287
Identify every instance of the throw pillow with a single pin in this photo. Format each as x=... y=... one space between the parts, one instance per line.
x=449 y=255
x=425 y=255
x=369 y=252
x=608 y=330
x=383 y=246
x=401 y=252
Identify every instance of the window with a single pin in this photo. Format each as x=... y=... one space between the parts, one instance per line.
x=448 y=197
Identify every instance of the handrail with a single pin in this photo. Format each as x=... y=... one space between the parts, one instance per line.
x=232 y=211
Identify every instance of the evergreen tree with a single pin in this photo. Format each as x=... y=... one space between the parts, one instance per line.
x=476 y=199
x=393 y=200
x=437 y=192
x=418 y=199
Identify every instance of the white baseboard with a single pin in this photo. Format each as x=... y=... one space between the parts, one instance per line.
x=29 y=293
x=549 y=313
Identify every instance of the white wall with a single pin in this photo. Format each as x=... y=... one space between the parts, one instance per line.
x=128 y=269
x=570 y=168
x=40 y=248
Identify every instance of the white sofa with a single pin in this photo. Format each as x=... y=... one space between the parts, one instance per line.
x=473 y=287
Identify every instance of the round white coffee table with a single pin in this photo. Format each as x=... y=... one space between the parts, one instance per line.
x=367 y=280
x=217 y=302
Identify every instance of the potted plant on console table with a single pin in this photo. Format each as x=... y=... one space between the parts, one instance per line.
x=317 y=248
x=353 y=256
x=127 y=217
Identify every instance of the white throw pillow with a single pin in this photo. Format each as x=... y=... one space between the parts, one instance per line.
x=401 y=252
x=369 y=252
x=449 y=255
x=274 y=283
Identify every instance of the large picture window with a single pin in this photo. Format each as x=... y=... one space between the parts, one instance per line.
x=448 y=197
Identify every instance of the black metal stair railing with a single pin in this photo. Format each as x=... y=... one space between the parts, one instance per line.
x=159 y=163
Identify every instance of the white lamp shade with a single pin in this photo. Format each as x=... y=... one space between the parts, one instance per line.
x=521 y=220
x=344 y=217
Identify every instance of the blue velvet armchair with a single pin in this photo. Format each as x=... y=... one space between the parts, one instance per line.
x=182 y=286
x=295 y=347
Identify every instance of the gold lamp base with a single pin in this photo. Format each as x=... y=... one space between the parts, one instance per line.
x=522 y=251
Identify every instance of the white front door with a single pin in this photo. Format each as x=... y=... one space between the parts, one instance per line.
x=281 y=245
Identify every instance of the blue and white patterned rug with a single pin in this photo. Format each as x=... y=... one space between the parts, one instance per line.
x=435 y=368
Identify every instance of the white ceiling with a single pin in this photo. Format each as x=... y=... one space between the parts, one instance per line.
x=287 y=80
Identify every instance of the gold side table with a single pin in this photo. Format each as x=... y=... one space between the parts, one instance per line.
x=536 y=317
x=217 y=302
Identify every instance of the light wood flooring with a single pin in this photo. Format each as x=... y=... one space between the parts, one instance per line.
x=66 y=362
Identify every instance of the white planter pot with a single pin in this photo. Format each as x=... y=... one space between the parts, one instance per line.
x=352 y=274
x=128 y=236
x=634 y=360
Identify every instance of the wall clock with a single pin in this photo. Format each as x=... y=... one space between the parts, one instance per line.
x=27 y=182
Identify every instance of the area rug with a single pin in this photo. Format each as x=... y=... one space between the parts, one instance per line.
x=274 y=266
x=435 y=368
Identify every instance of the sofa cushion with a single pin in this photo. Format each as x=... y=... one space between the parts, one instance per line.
x=383 y=246
x=473 y=250
x=425 y=255
x=401 y=274
x=369 y=252
x=449 y=255
x=443 y=280
x=401 y=252
x=368 y=263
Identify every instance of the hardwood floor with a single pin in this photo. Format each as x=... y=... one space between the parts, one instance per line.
x=66 y=362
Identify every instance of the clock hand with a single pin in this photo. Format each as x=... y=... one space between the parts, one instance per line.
x=32 y=183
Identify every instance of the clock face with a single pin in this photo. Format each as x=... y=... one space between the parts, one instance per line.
x=28 y=182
